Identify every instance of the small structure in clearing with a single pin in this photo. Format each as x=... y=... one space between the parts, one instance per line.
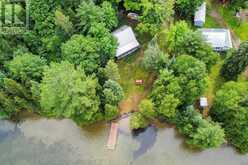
x=219 y=39
x=204 y=106
x=200 y=15
x=127 y=41
x=139 y=82
x=203 y=102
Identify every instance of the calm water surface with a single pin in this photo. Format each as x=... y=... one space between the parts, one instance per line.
x=61 y=142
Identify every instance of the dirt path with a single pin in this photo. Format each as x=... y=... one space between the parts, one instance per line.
x=219 y=19
x=132 y=102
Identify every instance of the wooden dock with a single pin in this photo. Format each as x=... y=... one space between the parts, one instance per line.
x=112 y=136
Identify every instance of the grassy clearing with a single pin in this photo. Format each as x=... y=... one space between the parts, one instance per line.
x=242 y=31
x=215 y=81
x=240 y=28
x=130 y=69
x=243 y=76
x=211 y=22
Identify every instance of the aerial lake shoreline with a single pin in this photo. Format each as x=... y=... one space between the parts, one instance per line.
x=40 y=141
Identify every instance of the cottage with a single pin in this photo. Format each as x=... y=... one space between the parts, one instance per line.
x=219 y=39
x=126 y=40
x=200 y=15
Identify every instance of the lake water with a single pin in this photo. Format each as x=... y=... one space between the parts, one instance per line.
x=62 y=142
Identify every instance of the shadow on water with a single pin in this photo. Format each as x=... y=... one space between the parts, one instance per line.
x=146 y=138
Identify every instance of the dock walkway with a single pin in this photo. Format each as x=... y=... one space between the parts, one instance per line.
x=112 y=136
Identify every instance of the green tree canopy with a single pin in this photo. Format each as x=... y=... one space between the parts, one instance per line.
x=111 y=71
x=237 y=4
x=68 y=92
x=134 y=5
x=231 y=109
x=113 y=92
x=142 y=118
x=27 y=67
x=166 y=95
x=154 y=14
x=63 y=21
x=187 y=8
x=193 y=44
x=236 y=62
x=146 y=108
x=168 y=107
x=14 y=98
x=166 y=84
x=83 y=51
x=200 y=133
x=88 y=14
x=192 y=77
x=110 y=112
x=154 y=58
x=180 y=39
x=138 y=121
x=42 y=12
x=109 y=15
x=104 y=40
x=176 y=35
x=5 y=51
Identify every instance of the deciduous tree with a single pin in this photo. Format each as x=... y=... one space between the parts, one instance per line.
x=88 y=14
x=138 y=121
x=193 y=44
x=200 y=132
x=68 y=92
x=176 y=35
x=110 y=112
x=231 y=109
x=192 y=77
x=154 y=58
x=83 y=51
x=146 y=108
x=154 y=14
x=187 y=8
x=27 y=67
x=104 y=40
x=63 y=21
x=236 y=62
x=168 y=107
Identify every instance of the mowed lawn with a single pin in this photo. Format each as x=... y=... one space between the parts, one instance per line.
x=131 y=69
x=211 y=22
x=215 y=81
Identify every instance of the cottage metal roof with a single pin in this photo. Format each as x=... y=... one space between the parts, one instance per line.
x=126 y=39
x=200 y=14
x=220 y=39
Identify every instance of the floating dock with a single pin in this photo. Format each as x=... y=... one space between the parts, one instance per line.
x=113 y=136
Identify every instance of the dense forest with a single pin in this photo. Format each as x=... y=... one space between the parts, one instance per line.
x=64 y=66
